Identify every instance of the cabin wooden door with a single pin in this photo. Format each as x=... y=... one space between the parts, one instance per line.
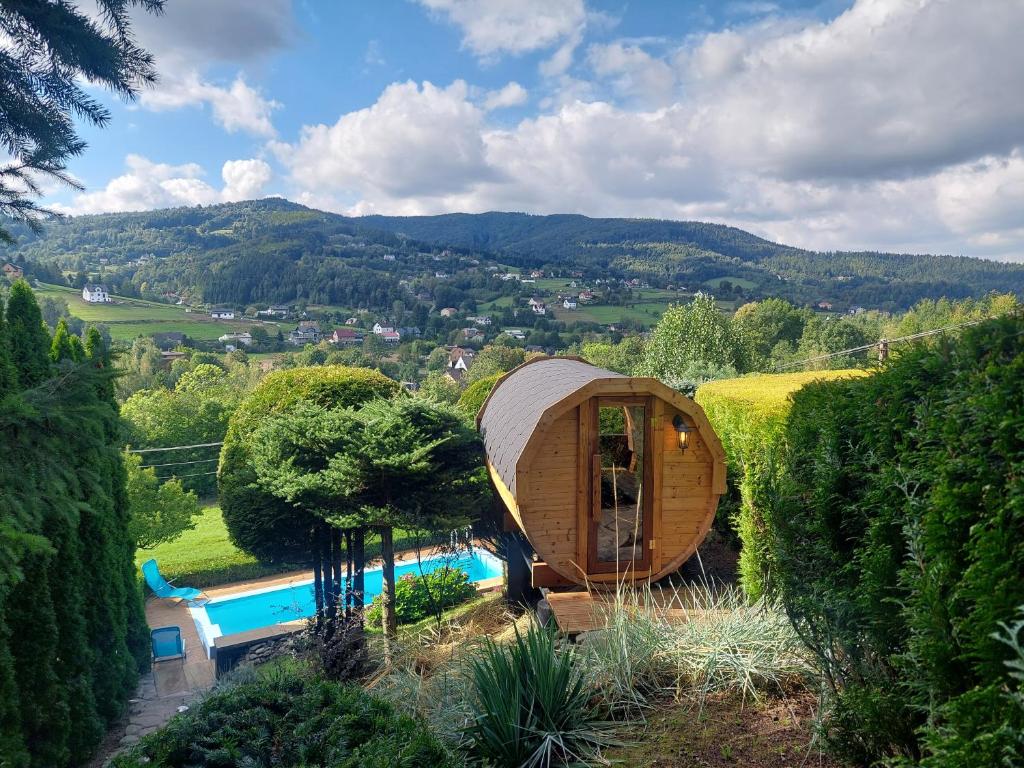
x=620 y=521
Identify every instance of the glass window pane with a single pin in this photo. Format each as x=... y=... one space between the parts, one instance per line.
x=620 y=533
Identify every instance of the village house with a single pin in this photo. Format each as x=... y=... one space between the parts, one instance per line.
x=586 y=296
x=245 y=339
x=480 y=320
x=352 y=321
x=302 y=336
x=169 y=356
x=460 y=358
x=96 y=294
x=345 y=336
x=539 y=308
x=569 y=303
x=409 y=331
x=391 y=337
x=449 y=312
x=825 y=305
x=389 y=257
x=380 y=330
x=471 y=333
x=221 y=313
x=276 y=310
x=13 y=272
x=516 y=333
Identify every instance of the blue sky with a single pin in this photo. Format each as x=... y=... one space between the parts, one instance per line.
x=892 y=124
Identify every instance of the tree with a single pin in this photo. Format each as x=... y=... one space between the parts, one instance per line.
x=29 y=340
x=52 y=49
x=762 y=326
x=495 y=359
x=691 y=341
x=158 y=511
x=413 y=464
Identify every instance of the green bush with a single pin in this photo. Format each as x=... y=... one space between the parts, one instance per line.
x=532 y=705
x=898 y=549
x=417 y=597
x=283 y=715
x=260 y=523
x=473 y=396
x=749 y=416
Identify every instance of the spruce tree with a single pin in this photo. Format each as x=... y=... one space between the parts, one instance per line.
x=29 y=339
x=53 y=48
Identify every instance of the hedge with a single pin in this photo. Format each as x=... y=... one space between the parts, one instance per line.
x=72 y=632
x=259 y=523
x=284 y=715
x=899 y=551
x=749 y=416
x=472 y=398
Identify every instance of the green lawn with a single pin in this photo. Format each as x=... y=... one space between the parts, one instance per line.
x=740 y=281
x=205 y=556
x=127 y=318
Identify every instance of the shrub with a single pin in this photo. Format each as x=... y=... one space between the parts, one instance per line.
x=283 y=715
x=898 y=548
x=749 y=415
x=473 y=396
x=417 y=597
x=532 y=704
x=260 y=523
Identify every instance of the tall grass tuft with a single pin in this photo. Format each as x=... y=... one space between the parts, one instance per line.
x=690 y=641
x=533 y=705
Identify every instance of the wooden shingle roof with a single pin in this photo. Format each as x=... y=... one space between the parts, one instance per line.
x=515 y=406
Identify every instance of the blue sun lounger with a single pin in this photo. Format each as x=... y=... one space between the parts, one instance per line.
x=168 y=644
x=162 y=588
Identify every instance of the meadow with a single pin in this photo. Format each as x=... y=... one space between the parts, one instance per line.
x=128 y=318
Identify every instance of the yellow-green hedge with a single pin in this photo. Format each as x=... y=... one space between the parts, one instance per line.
x=749 y=415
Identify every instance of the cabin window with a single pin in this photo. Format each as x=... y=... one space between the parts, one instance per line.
x=620 y=474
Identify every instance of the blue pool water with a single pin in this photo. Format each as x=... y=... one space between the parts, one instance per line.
x=288 y=603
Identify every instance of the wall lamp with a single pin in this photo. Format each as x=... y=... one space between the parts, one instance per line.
x=683 y=431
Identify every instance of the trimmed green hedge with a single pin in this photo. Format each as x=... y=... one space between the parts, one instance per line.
x=284 y=715
x=472 y=398
x=749 y=416
x=899 y=550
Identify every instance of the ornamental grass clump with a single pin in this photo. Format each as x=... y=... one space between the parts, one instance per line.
x=533 y=705
x=690 y=642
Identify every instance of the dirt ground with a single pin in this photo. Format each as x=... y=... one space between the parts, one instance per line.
x=775 y=733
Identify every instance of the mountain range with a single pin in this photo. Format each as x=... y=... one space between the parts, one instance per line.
x=276 y=250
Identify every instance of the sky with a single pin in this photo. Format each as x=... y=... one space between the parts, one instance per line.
x=875 y=124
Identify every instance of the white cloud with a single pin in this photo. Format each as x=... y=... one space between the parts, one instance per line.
x=413 y=141
x=491 y=27
x=244 y=179
x=146 y=185
x=635 y=75
x=238 y=107
x=511 y=95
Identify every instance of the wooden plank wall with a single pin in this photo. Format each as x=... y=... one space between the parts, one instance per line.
x=550 y=516
x=686 y=491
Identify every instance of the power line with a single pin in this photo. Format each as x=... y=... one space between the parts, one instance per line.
x=178 y=477
x=174 y=448
x=865 y=347
x=178 y=463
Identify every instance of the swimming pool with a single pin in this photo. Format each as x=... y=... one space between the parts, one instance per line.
x=257 y=608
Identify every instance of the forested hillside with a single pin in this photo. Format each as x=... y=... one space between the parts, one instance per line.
x=273 y=250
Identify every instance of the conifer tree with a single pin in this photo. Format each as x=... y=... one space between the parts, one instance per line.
x=8 y=376
x=60 y=347
x=29 y=339
x=52 y=48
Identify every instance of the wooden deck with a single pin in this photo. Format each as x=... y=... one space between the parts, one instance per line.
x=576 y=612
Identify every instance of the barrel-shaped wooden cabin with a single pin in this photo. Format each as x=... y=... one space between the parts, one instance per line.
x=610 y=477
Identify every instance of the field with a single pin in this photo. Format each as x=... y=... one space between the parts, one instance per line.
x=740 y=281
x=127 y=318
